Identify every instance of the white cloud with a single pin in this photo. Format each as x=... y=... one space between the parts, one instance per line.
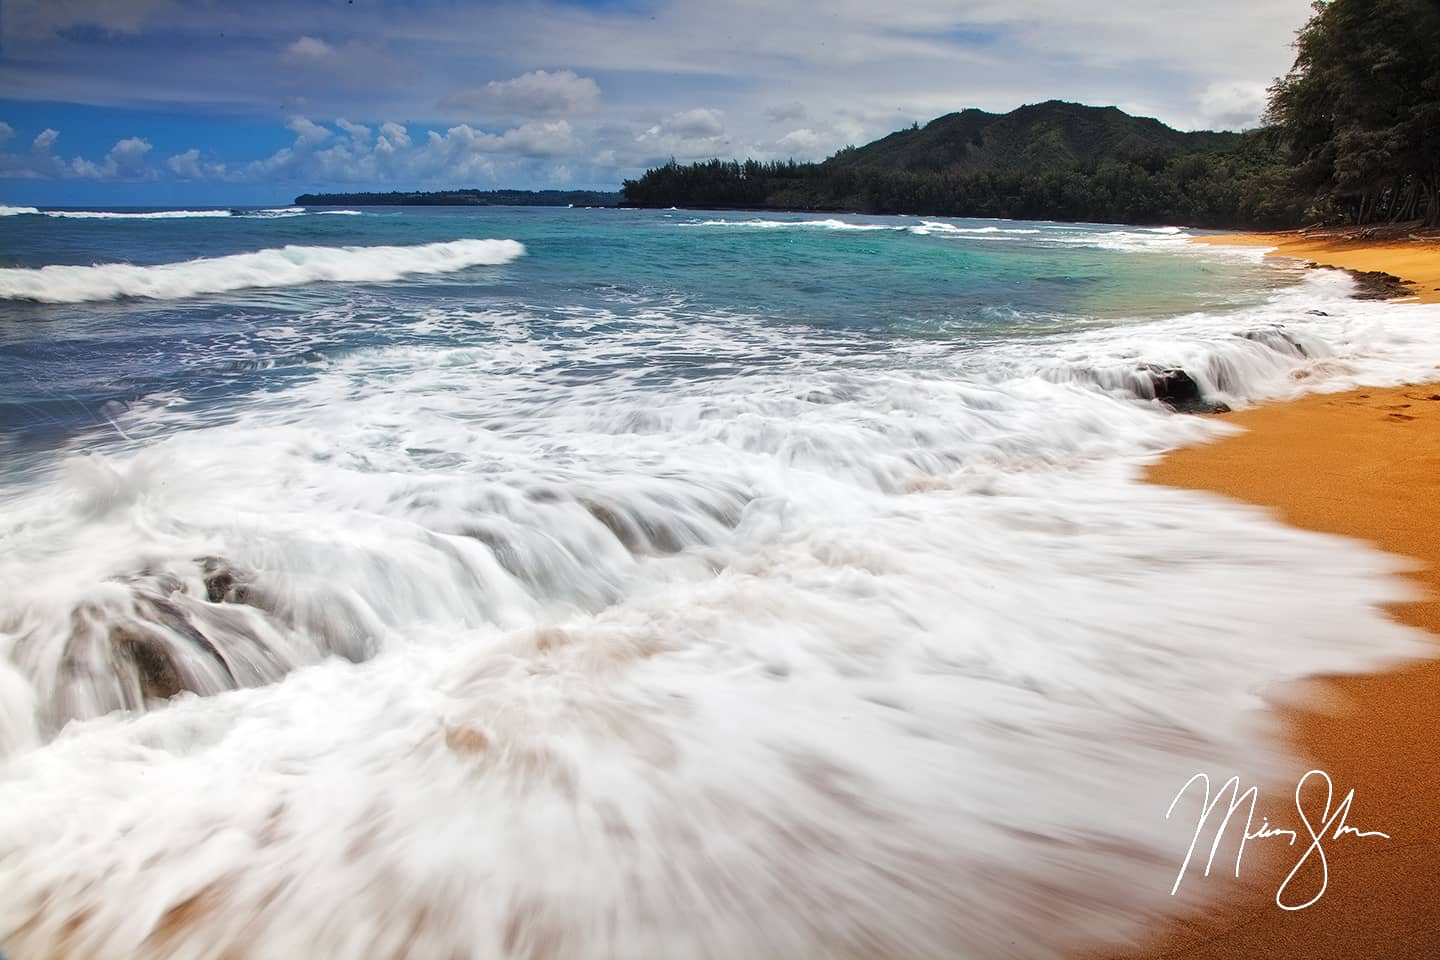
x=186 y=165
x=803 y=139
x=6 y=132
x=538 y=93
x=45 y=140
x=393 y=135
x=307 y=50
x=125 y=161
x=189 y=166
x=459 y=154
x=306 y=131
x=358 y=132
x=539 y=139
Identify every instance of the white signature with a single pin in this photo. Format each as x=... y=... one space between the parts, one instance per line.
x=1331 y=825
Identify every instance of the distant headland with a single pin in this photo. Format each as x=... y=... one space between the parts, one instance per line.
x=464 y=198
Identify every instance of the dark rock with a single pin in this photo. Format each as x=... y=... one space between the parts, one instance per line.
x=1317 y=313
x=1178 y=390
x=1175 y=388
x=1376 y=284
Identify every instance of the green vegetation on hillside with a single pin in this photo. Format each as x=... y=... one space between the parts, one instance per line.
x=464 y=198
x=1058 y=161
x=1353 y=137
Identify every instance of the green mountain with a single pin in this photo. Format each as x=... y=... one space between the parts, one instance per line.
x=1036 y=138
x=1048 y=161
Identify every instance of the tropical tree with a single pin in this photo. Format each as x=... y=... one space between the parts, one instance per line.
x=1359 y=111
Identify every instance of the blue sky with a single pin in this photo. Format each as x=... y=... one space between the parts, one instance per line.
x=160 y=102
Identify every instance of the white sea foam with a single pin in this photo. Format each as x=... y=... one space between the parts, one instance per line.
x=120 y=215
x=933 y=227
x=270 y=213
x=282 y=267
x=826 y=224
x=276 y=213
x=827 y=659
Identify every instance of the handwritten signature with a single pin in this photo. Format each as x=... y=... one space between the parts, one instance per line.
x=1330 y=825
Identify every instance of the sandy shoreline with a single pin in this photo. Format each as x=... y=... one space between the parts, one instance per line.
x=1364 y=464
x=1415 y=259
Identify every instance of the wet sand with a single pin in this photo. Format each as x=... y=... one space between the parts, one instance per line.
x=1367 y=465
x=1364 y=464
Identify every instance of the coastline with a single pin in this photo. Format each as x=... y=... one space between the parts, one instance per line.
x=1363 y=464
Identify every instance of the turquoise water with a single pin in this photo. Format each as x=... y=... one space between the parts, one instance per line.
x=576 y=583
x=852 y=291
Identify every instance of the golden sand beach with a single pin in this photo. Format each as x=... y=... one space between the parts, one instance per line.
x=1364 y=464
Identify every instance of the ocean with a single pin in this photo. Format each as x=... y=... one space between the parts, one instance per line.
x=451 y=582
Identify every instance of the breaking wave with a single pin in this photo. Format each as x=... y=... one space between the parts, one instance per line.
x=829 y=224
x=152 y=215
x=271 y=213
x=282 y=267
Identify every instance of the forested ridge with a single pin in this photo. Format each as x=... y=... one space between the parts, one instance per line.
x=1352 y=135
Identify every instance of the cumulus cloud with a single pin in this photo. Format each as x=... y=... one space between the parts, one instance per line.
x=460 y=154
x=307 y=50
x=307 y=131
x=393 y=135
x=189 y=166
x=44 y=141
x=358 y=132
x=802 y=139
x=125 y=161
x=539 y=139
x=538 y=93
x=6 y=132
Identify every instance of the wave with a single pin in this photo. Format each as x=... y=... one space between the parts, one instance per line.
x=155 y=215
x=930 y=227
x=280 y=267
x=924 y=229
x=272 y=213
x=829 y=224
